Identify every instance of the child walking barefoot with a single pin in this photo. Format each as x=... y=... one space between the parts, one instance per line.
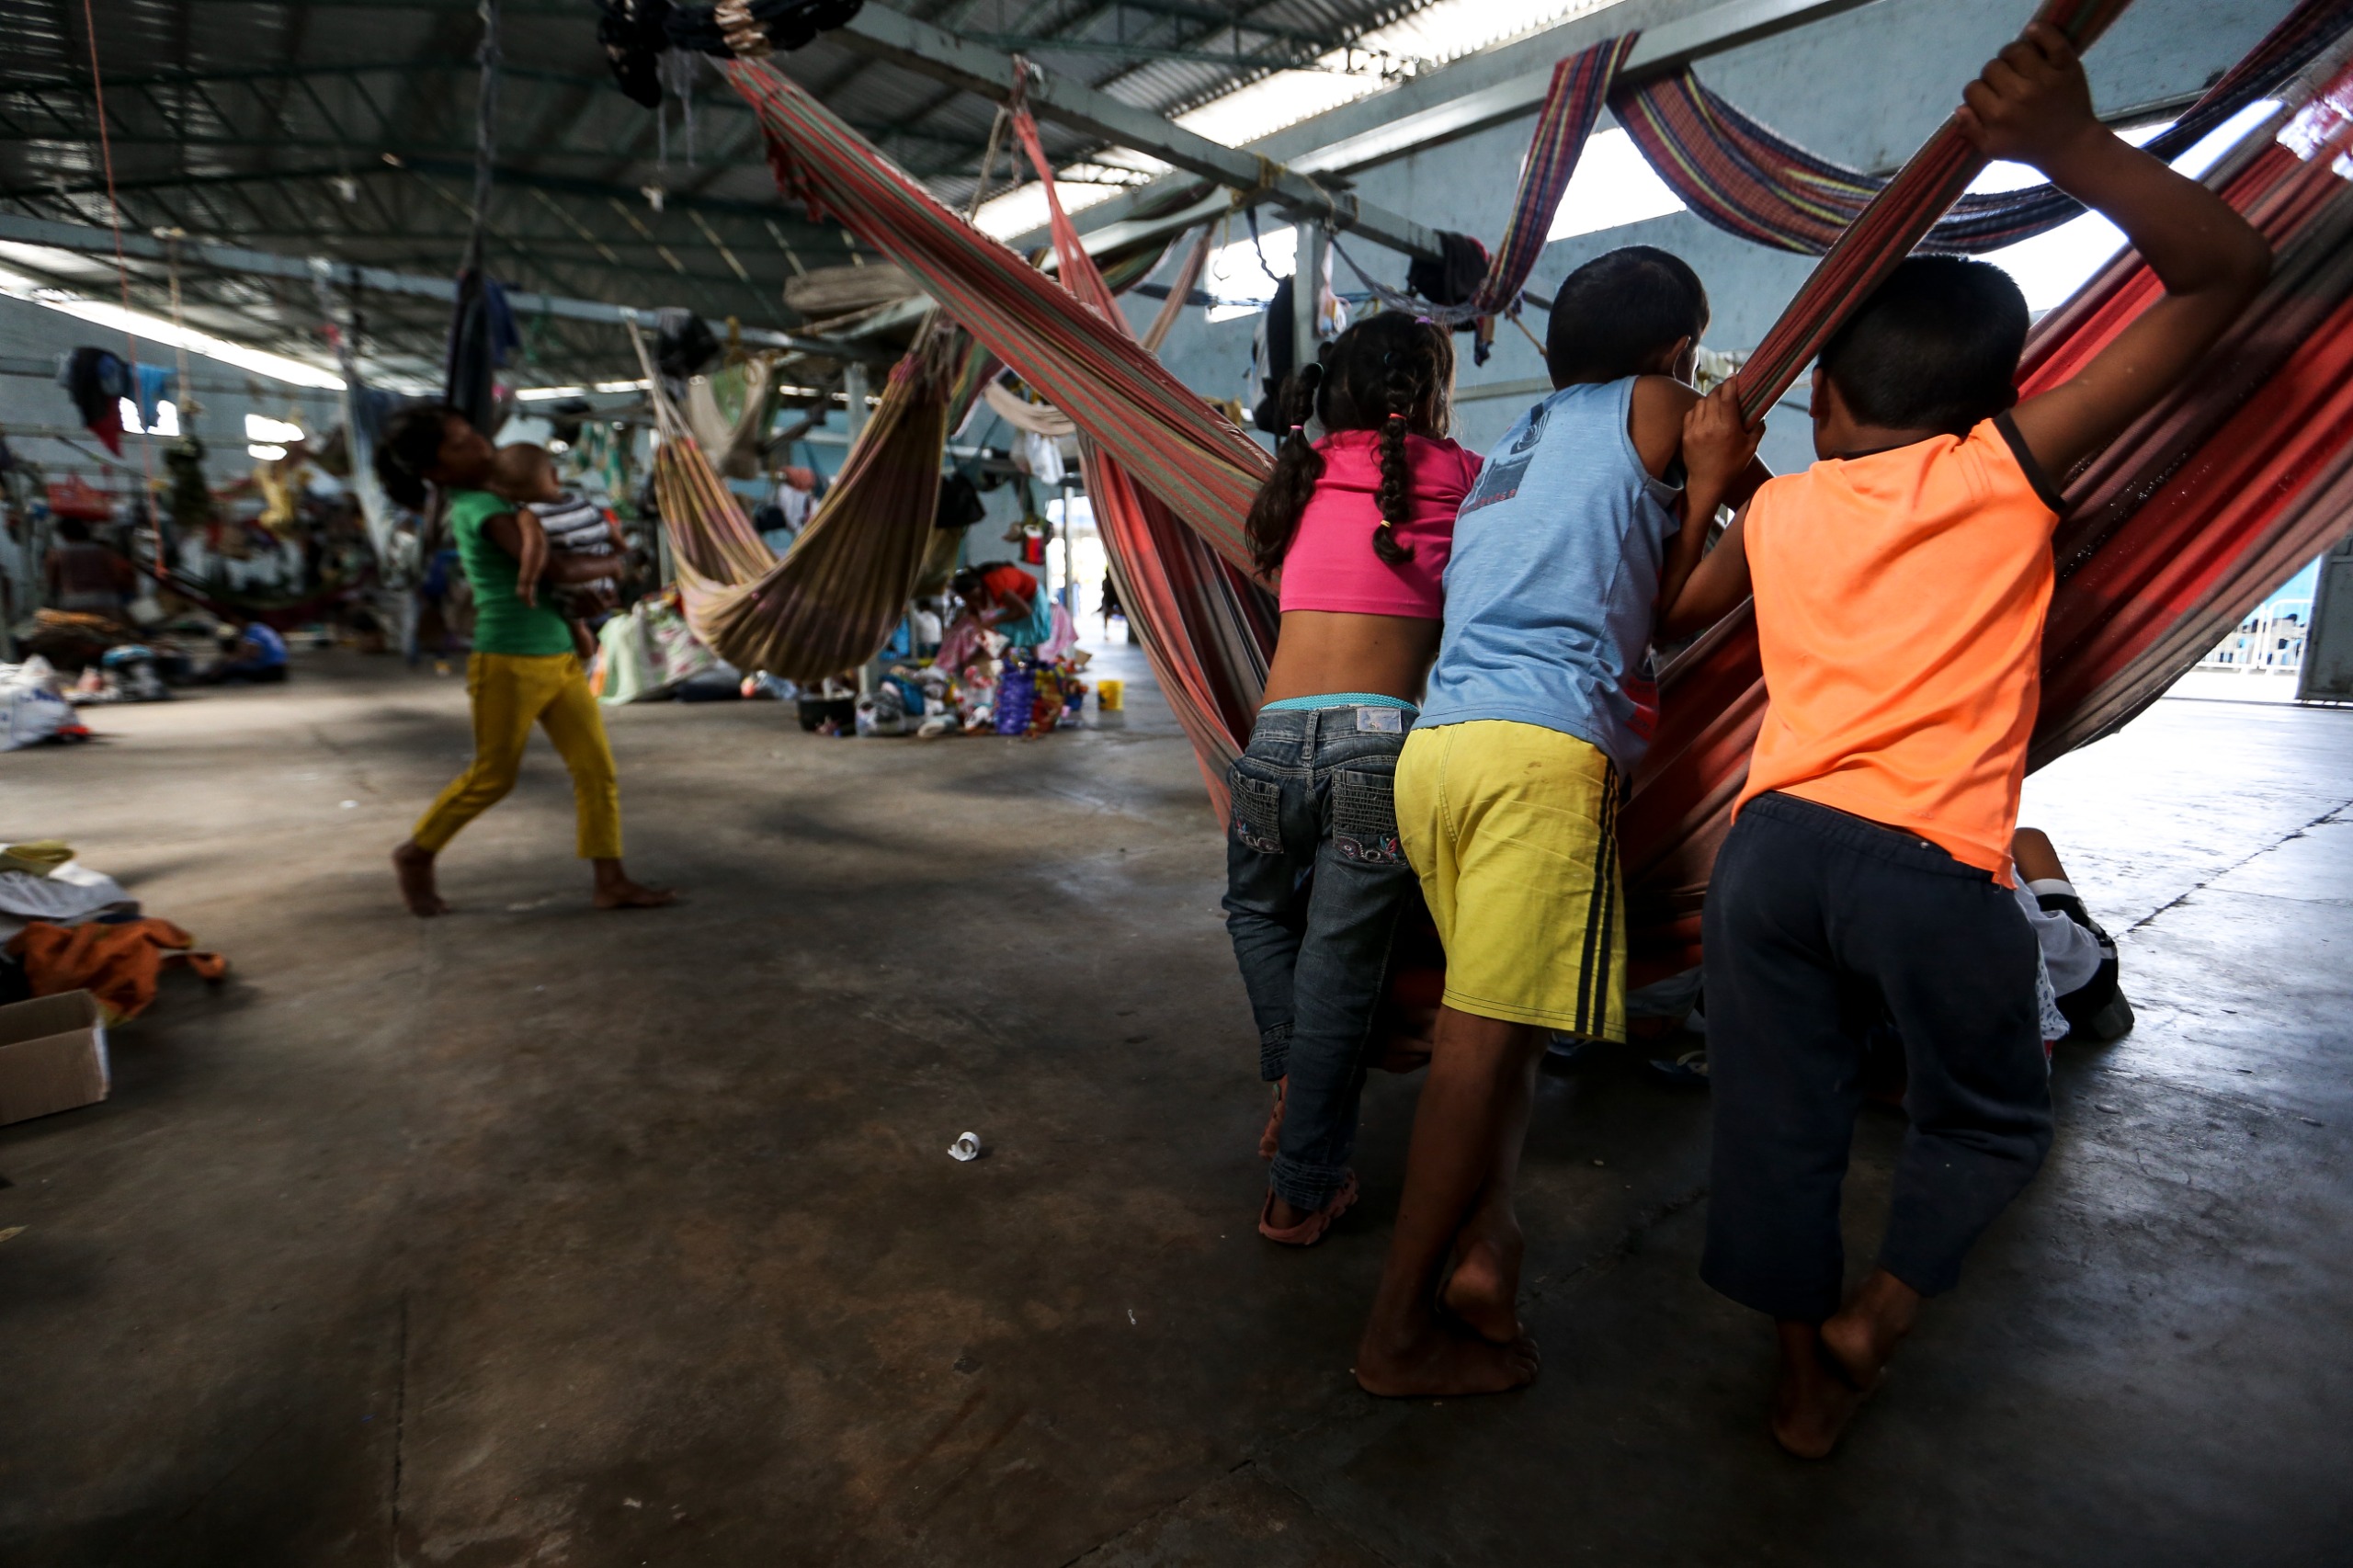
x=1901 y=585
x=1359 y=523
x=1508 y=790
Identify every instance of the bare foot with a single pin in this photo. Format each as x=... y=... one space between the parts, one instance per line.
x=622 y=894
x=1864 y=1334
x=1813 y=1400
x=1439 y=1361
x=1484 y=1290
x=1401 y=1054
x=412 y=864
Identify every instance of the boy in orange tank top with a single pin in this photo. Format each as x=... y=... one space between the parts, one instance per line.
x=1899 y=587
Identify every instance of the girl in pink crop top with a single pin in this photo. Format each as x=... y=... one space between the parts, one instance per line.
x=1333 y=564
x=1359 y=525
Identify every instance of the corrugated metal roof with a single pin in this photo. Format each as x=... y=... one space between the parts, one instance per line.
x=345 y=129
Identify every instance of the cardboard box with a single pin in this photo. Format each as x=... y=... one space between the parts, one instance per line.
x=52 y=1055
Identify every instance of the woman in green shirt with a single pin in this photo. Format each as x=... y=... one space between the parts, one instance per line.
x=522 y=671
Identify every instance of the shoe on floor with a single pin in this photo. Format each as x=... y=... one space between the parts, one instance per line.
x=2112 y=1022
x=1269 y=1140
x=1309 y=1231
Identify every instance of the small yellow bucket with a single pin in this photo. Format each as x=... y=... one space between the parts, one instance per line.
x=1110 y=696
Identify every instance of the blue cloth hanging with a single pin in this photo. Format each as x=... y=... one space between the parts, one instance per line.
x=152 y=380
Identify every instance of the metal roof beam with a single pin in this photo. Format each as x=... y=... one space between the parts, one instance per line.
x=451 y=167
x=1228 y=59
x=935 y=52
x=91 y=240
x=1206 y=16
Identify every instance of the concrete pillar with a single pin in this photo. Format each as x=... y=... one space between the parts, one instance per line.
x=854 y=389
x=2327 y=673
x=1307 y=294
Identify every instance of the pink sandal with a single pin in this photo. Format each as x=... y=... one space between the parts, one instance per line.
x=1270 y=1139
x=1309 y=1231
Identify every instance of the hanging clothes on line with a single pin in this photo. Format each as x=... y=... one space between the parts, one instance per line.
x=97 y=380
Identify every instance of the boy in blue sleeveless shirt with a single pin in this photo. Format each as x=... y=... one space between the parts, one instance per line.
x=1507 y=788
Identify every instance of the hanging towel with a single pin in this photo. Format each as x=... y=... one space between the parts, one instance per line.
x=152 y=380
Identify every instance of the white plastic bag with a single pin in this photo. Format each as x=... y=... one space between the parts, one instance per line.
x=30 y=714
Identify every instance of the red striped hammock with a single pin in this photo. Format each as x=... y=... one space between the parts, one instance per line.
x=2181 y=547
x=1745 y=178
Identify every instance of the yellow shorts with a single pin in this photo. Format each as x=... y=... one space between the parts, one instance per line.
x=1513 y=829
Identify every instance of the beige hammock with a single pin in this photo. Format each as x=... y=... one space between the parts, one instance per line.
x=837 y=595
x=834 y=599
x=733 y=443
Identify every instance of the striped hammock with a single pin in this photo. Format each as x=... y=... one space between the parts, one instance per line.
x=835 y=597
x=1581 y=84
x=1745 y=180
x=1178 y=446
x=1208 y=628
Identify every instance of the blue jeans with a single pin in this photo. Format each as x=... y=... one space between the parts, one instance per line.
x=1315 y=879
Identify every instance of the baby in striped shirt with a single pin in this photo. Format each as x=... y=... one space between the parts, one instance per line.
x=551 y=518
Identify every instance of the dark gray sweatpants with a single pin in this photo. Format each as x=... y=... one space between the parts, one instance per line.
x=1815 y=921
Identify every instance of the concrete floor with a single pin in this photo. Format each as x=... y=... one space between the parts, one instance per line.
x=540 y=1236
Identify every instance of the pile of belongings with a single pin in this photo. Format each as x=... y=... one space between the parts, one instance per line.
x=66 y=927
x=994 y=687
x=649 y=654
x=33 y=709
x=125 y=672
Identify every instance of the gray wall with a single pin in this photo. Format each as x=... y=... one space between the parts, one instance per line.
x=33 y=336
x=1864 y=88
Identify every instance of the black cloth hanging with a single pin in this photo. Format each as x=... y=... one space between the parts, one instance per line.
x=683 y=343
x=97 y=380
x=481 y=336
x=960 y=502
x=1279 y=334
x=634 y=34
x=1453 y=280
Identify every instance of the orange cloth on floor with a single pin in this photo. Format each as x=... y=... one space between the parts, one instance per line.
x=1900 y=599
x=119 y=963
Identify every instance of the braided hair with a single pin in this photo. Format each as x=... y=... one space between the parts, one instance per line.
x=411 y=448
x=1392 y=373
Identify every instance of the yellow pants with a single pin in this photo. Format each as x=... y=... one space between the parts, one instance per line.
x=510 y=692
x=1513 y=829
